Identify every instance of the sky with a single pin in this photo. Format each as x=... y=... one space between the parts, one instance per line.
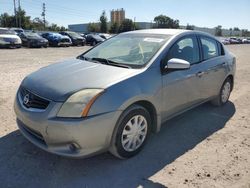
x=202 y=13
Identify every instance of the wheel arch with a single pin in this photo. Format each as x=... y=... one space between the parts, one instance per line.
x=231 y=78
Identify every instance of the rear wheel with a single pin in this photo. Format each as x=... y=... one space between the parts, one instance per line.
x=224 y=95
x=132 y=132
x=93 y=43
x=29 y=45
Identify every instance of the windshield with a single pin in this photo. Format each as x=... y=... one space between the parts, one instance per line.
x=8 y=32
x=73 y=34
x=129 y=49
x=97 y=37
x=55 y=34
x=31 y=34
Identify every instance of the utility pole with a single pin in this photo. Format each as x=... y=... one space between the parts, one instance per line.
x=15 y=12
x=43 y=15
x=134 y=22
x=19 y=11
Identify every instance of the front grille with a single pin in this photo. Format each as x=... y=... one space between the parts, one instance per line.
x=31 y=100
x=65 y=40
x=10 y=39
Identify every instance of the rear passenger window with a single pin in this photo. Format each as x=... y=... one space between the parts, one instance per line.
x=209 y=48
x=186 y=49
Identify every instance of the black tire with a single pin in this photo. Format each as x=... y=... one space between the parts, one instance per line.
x=29 y=45
x=117 y=148
x=218 y=101
x=93 y=43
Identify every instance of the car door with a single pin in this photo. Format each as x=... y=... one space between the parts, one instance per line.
x=181 y=88
x=214 y=67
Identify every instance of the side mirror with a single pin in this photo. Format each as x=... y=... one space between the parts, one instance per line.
x=177 y=64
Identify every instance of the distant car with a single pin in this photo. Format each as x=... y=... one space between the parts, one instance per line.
x=8 y=38
x=246 y=41
x=56 y=39
x=225 y=41
x=105 y=35
x=94 y=39
x=233 y=40
x=239 y=40
x=76 y=38
x=83 y=35
x=17 y=30
x=32 y=39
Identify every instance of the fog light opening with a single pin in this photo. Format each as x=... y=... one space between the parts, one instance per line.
x=73 y=147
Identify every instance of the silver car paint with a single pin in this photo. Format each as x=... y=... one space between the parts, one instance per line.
x=170 y=94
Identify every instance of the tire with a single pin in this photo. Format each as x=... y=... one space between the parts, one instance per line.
x=130 y=137
x=93 y=43
x=224 y=95
x=29 y=45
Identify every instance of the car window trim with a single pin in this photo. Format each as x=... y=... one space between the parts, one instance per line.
x=210 y=38
x=194 y=36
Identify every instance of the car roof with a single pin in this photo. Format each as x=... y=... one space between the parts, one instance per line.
x=159 y=31
x=172 y=32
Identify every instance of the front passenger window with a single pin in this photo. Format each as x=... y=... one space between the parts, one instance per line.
x=186 y=49
x=209 y=48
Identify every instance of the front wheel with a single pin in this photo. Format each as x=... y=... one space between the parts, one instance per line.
x=224 y=95
x=132 y=132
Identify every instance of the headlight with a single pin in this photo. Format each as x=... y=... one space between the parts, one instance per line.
x=78 y=104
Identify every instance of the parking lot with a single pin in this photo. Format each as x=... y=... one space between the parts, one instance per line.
x=205 y=147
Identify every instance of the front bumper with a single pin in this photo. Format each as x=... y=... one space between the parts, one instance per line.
x=75 y=138
x=10 y=45
x=39 y=44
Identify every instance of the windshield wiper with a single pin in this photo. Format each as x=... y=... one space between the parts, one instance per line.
x=109 y=62
x=82 y=57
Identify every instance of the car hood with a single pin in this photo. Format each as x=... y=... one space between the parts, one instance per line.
x=36 y=38
x=9 y=36
x=58 y=81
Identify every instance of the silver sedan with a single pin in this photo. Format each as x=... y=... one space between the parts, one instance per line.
x=113 y=96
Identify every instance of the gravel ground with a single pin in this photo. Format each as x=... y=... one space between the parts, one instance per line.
x=205 y=147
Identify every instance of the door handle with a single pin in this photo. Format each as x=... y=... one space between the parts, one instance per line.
x=200 y=74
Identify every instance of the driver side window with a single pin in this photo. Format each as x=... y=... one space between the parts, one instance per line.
x=186 y=49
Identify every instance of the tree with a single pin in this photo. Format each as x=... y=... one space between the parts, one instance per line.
x=163 y=21
x=245 y=33
x=6 y=20
x=127 y=25
x=26 y=22
x=93 y=27
x=103 y=22
x=114 y=28
x=218 y=30
x=38 y=24
x=190 y=27
x=236 y=29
